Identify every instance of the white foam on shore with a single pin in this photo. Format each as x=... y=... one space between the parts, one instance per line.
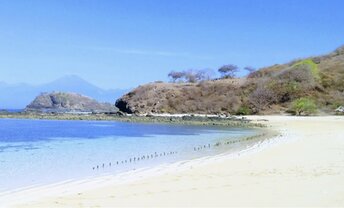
x=69 y=187
x=180 y=115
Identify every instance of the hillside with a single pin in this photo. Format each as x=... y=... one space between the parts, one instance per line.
x=265 y=91
x=67 y=102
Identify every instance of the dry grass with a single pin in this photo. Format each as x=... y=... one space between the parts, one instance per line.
x=270 y=89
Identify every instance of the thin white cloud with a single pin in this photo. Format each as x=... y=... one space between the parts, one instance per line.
x=151 y=53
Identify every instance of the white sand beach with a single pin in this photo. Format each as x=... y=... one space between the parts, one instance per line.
x=303 y=166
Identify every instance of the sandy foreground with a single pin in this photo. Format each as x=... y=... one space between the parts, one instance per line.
x=302 y=166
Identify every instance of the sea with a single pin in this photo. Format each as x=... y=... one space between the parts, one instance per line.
x=41 y=152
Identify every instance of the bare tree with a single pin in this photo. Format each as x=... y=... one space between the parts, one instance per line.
x=228 y=71
x=174 y=75
x=261 y=98
x=204 y=74
x=190 y=76
x=250 y=69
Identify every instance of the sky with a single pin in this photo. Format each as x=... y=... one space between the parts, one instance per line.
x=122 y=44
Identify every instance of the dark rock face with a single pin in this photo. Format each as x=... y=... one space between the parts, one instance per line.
x=68 y=102
x=123 y=106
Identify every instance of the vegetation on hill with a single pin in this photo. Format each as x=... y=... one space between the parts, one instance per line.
x=268 y=90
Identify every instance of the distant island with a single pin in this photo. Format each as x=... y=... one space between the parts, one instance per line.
x=62 y=102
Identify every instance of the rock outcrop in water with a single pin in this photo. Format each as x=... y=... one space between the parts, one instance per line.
x=61 y=102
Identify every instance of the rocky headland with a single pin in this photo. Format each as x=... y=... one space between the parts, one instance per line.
x=316 y=83
x=63 y=102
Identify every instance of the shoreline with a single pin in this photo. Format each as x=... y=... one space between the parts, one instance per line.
x=299 y=168
x=260 y=136
x=264 y=138
x=173 y=119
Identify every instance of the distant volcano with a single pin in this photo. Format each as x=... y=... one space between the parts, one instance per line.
x=17 y=96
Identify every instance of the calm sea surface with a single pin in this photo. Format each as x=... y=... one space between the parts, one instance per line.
x=38 y=152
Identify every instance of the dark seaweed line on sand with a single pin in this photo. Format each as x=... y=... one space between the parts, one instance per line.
x=185 y=120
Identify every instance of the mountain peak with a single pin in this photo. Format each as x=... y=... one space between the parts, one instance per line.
x=71 y=78
x=71 y=83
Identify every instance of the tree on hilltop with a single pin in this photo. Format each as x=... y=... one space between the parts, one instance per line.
x=249 y=69
x=190 y=75
x=228 y=71
x=174 y=75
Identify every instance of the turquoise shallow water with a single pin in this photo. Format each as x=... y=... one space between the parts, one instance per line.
x=39 y=152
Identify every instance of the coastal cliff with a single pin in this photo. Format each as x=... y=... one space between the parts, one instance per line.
x=62 y=102
x=265 y=91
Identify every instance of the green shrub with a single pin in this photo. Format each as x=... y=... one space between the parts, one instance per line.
x=244 y=110
x=303 y=106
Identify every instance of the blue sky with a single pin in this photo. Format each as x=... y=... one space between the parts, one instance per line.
x=121 y=44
